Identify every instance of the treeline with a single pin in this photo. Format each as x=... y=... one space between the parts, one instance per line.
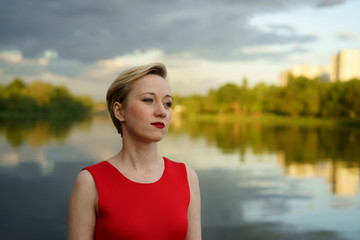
x=302 y=97
x=41 y=99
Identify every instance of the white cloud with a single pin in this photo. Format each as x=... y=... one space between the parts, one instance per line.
x=16 y=57
x=203 y=43
x=13 y=56
x=267 y=49
x=348 y=36
x=138 y=57
x=89 y=31
x=189 y=76
x=50 y=54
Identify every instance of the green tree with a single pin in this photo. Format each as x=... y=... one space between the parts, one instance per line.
x=40 y=98
x=272 y=100
x=351 y=98
x=2 y=98
x=309 y=95
x=332 y=100
x=258 y=94
x=210 y=102
x=228 y=97
x=41 y=92
x=301 y=97
x=16 y=86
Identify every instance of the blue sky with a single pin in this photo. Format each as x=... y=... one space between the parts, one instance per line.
x=335 y=27
x=205 y=43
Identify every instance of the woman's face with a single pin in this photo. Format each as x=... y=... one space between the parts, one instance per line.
x=147 y=113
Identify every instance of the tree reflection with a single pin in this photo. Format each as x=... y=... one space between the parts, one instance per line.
x=298 y=143
x=37 y=132
x=328 y=152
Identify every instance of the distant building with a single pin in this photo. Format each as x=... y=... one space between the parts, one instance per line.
x=305 y=70
x=346 y=65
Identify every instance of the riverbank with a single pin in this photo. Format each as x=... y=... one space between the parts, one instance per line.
x=44 y=115
x=274 y=120
x=263 y=119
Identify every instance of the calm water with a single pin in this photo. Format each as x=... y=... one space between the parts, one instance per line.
x=257 y=181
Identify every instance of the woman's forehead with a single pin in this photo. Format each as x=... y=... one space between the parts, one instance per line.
x=151 y=84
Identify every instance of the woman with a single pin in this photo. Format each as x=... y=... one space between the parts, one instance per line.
x=137 y=194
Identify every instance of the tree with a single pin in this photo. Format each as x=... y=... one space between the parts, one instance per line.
x=210 y=102
x=332 y=100
x=228 y=98
x=17 y=85
x=41 y=98
x=258 y=95
x=310 y=97
x=41 y=92
x=351 y=98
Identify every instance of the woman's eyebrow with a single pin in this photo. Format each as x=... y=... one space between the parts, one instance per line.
x=151 y=93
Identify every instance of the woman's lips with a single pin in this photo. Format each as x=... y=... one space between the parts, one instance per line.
x=158 y=124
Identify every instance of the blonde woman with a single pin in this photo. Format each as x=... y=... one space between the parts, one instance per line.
x=137 y=194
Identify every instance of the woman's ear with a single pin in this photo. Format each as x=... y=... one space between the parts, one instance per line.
x=119 y=111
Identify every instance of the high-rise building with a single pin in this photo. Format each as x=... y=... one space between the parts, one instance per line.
x=305 y=70
x=346 y=65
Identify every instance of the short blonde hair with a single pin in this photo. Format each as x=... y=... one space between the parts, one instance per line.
x=120 y=88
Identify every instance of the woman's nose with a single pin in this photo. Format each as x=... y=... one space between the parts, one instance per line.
x=160 y=110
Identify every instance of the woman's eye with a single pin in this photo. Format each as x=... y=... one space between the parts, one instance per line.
x=168 y=104
x=148 y=100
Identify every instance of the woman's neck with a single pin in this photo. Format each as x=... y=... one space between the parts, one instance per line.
x=139 y=155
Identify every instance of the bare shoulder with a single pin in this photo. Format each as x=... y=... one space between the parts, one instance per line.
x=84 y=177
x=194 y=210
x=85 y=183
x=84 y=193
x=192 y=176
x=82 y=207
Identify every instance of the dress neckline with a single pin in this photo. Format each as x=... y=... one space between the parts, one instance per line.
x=141 y=183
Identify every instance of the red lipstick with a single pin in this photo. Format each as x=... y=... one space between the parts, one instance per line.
x=158 y=124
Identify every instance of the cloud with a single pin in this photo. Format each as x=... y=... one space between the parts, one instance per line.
x=82 y=77
x=13 y=63
x=267 y=49
x=90 y=30
x=285 y=29
x=204 y=43
x=330 y=3
x=11 y=56
x=16 y=57
x=348 y=36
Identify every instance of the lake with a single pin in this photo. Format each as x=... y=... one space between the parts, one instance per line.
x=258 y=180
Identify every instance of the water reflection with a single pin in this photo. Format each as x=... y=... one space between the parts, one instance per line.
x=330 y=153
x=258 y=181
x=343 y=179
x=301 y=151
x=33 y=206
x=238 y=204
x=46 y=142
x=299 y=144
x=39 y=132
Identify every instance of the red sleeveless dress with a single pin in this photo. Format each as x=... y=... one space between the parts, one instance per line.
x=129 y=210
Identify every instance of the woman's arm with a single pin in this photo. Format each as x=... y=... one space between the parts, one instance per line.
x=194 y=211
x=82 y=208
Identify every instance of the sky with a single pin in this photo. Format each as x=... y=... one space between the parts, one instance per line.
x=85 y=44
